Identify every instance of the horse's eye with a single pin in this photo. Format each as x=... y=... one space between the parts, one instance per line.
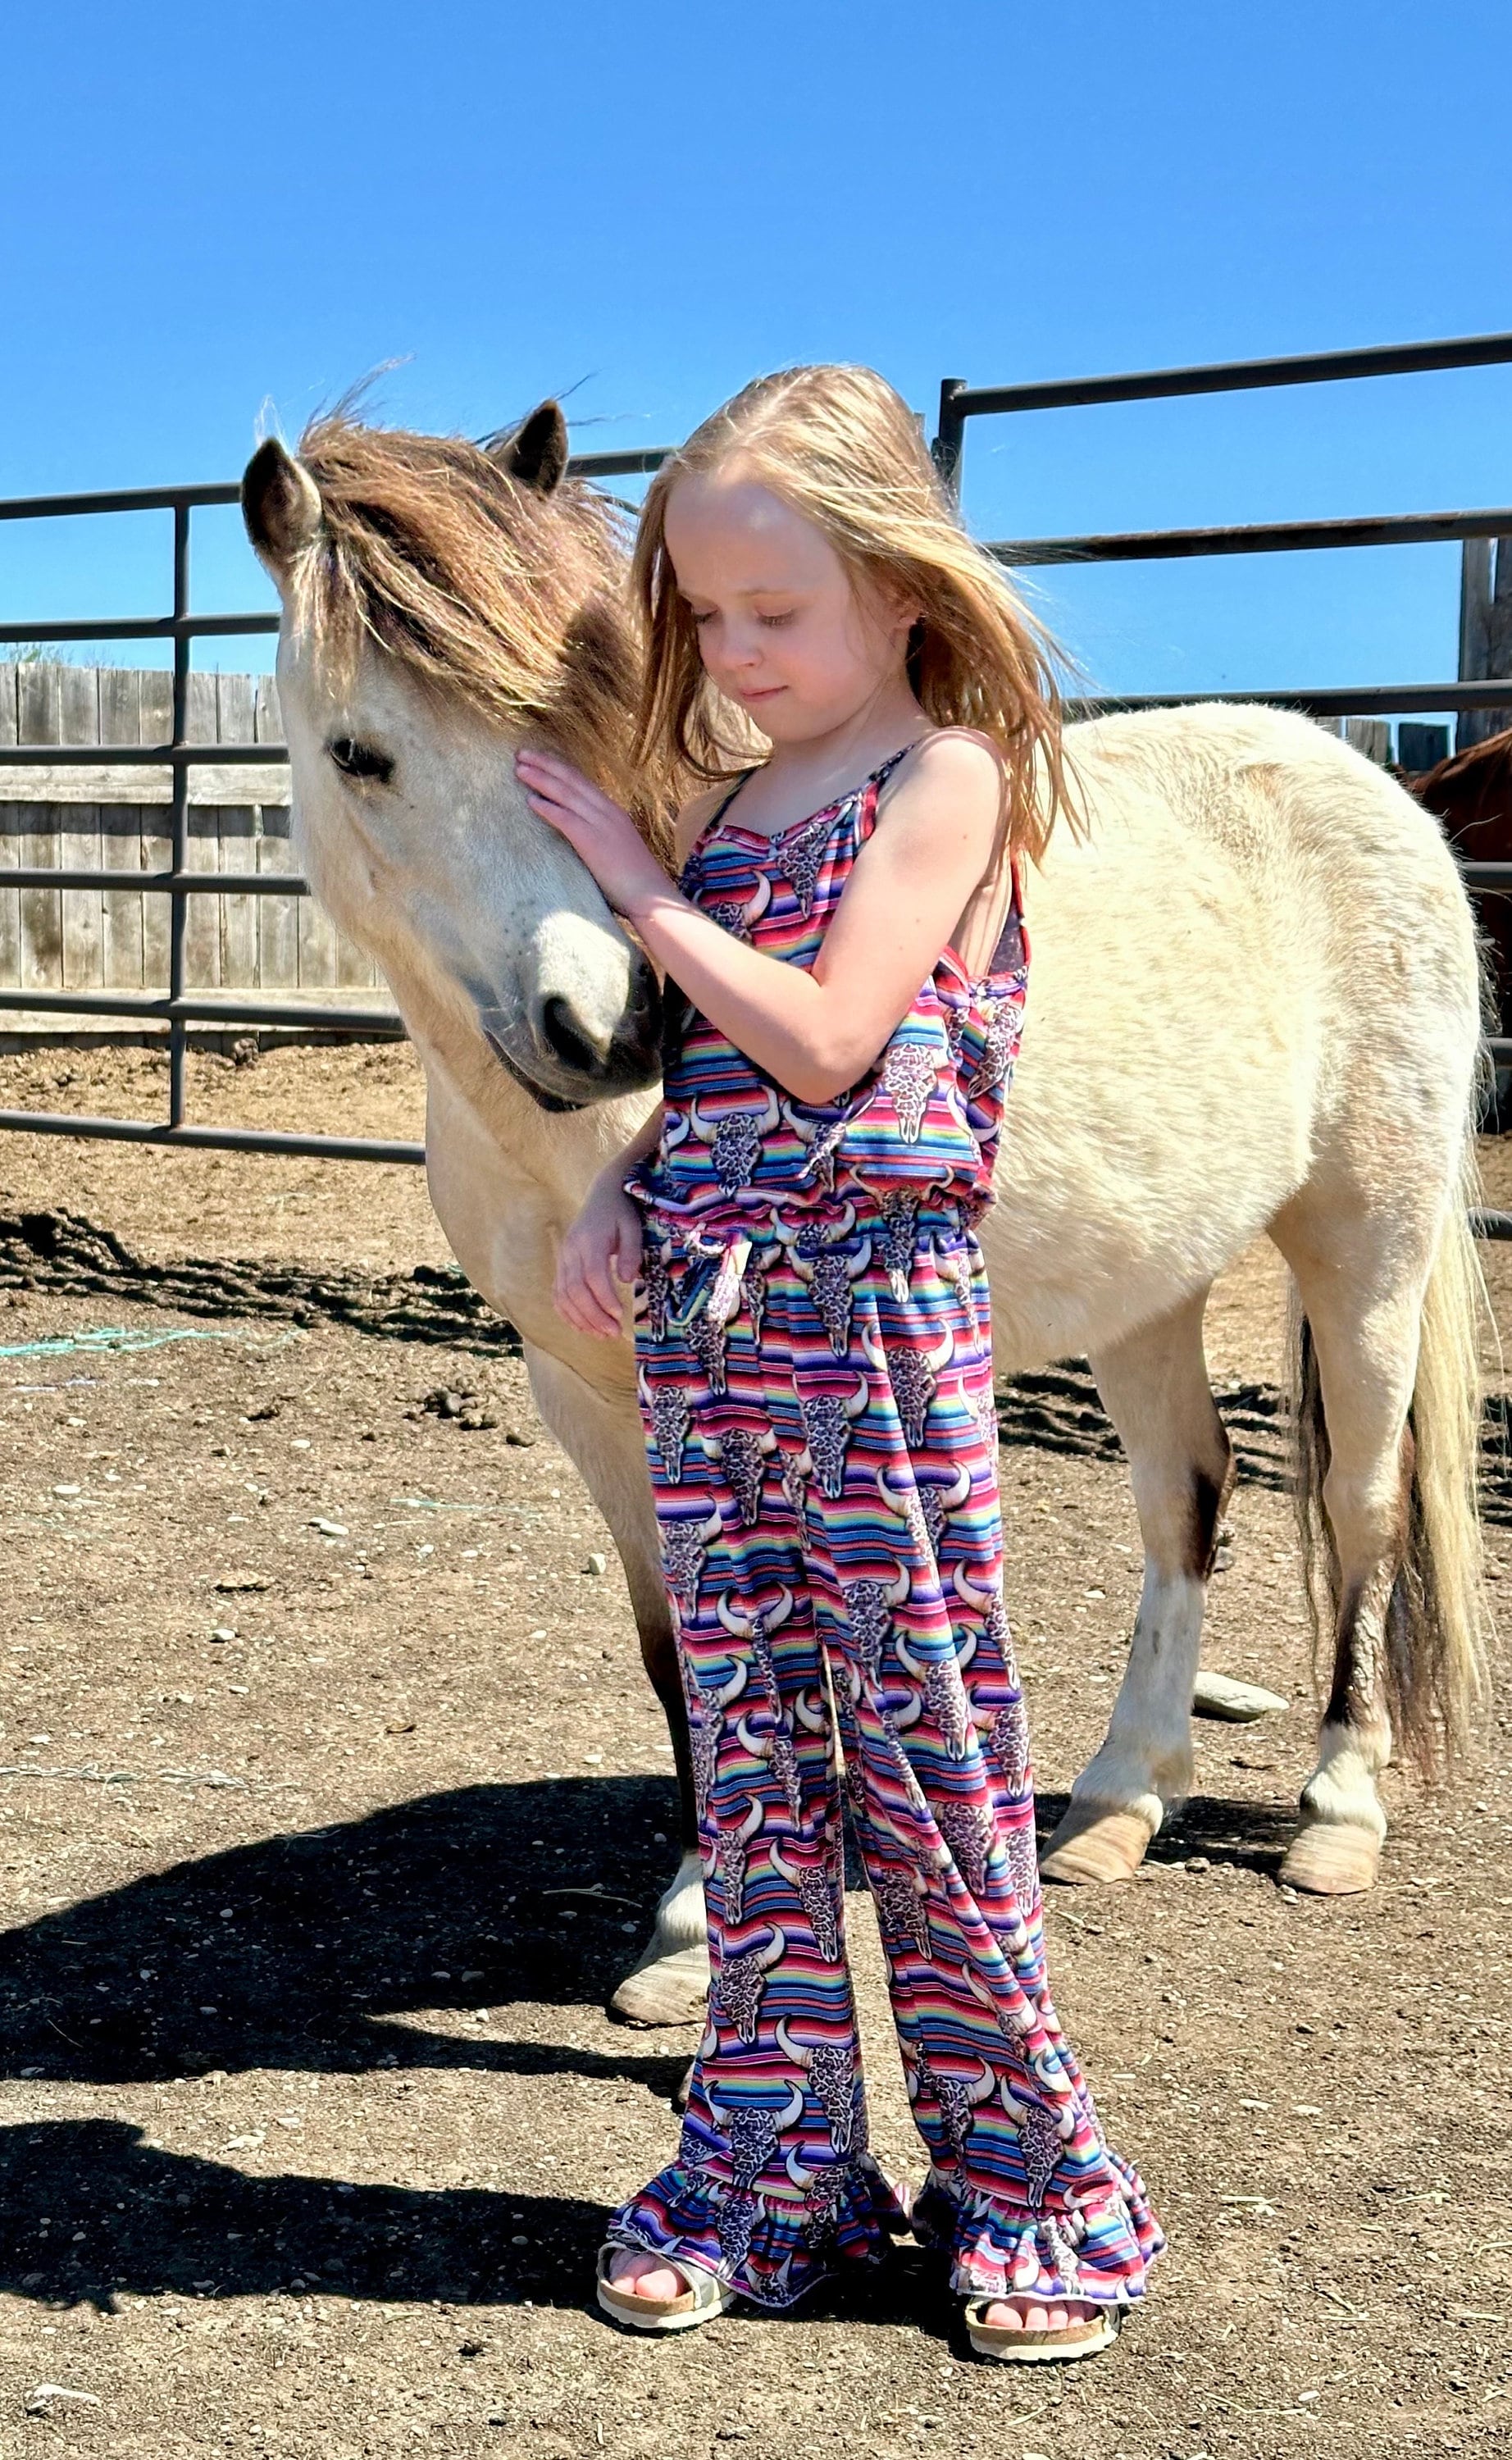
x=361 y=760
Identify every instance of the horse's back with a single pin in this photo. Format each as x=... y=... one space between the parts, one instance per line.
x=1287 y=860
x=1268 y=793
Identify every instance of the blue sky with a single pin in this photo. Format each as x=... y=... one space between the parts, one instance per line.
x=220 y=213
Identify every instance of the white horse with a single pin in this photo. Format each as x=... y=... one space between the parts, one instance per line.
x=1254 y=1007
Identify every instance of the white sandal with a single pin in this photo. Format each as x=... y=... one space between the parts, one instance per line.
x=703 y=2299
x=1020 y=2347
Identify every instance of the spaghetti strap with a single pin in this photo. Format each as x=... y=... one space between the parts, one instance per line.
x=895 y=760
x=723 y=805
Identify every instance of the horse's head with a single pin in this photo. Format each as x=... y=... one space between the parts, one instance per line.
x=440 y=603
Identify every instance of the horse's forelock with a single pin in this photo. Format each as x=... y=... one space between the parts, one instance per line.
x=485 y=590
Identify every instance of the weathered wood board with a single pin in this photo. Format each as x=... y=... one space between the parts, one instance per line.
x=115 y=817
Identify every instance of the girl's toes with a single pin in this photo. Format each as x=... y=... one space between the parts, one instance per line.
x=1036 y=2318
x=1004 y=2319
x=646 y=2275
x=663 y=2283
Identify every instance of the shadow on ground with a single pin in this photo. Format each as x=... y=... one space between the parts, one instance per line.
x=1245 y=1836
x=305 y=1951
x=94 y=2211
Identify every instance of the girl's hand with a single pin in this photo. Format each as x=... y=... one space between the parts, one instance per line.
x=597 y=830
x=602 y=1247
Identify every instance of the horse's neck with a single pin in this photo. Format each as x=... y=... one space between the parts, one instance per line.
x=507 y=1179
x=551 y=1155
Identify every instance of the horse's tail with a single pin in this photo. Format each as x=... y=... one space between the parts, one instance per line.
x=1437 y=1623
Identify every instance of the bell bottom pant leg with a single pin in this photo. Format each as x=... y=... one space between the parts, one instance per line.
x=825 y=1478
x=907 y=1567
x=770 y=2186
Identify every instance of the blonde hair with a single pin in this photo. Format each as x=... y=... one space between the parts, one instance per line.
x=844 y=451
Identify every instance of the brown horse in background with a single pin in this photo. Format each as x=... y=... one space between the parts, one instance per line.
x=1472 y=794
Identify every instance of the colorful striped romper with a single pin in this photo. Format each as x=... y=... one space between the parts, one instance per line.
x=815 y=1357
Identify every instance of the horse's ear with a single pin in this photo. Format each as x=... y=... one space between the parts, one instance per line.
x=535 y=454
x=280 y=505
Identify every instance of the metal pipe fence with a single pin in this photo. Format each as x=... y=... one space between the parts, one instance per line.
x=959 y=403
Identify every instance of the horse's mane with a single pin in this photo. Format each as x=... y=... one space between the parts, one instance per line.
x=483 y=589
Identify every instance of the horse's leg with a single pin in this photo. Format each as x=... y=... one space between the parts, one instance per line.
x=1362 y=1297
x=669 y=1983
x=1155 y=1389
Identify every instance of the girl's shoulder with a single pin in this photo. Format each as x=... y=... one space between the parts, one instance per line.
x=948 y=759
x=950 y=772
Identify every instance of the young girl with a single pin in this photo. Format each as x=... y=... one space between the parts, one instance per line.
x=846 y=967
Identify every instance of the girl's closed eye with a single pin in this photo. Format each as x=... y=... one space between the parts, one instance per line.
x=699 y=616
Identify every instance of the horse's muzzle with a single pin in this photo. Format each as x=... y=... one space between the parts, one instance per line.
x=564 y=1060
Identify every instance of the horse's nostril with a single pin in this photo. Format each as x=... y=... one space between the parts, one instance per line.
x=646 y=991
x=563 y=1037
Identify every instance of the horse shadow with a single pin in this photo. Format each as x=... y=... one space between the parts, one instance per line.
x=309 y=1951
x=1237 y=1834
x=318 y=1951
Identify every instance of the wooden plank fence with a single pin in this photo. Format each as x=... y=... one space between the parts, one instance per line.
x=85 y=939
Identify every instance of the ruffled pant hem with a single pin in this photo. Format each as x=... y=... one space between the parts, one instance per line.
x=1098 y=2250
x=773 y=2253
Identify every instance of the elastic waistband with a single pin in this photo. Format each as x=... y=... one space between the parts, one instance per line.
x=892 y=1216
x=703 y=1259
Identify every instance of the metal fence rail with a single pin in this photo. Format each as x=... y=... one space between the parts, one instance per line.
x=959 y=403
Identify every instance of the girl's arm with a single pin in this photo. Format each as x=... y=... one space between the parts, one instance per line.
x=816 y=1032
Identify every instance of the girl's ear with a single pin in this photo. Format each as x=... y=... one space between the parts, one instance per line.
x=534 y=453
x=897 y=609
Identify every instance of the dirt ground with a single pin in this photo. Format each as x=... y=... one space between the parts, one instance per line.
x=333 y=1805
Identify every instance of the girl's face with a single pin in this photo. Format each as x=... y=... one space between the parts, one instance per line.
x=782 y=627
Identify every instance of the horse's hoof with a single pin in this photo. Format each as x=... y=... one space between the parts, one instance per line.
x=1094 y=1848
x=1331 y=1858
x=672 y=1990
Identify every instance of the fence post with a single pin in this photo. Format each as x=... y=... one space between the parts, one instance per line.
x=1485 y=632
x=946 y=445
x=1371 y=736
x=179 y=816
